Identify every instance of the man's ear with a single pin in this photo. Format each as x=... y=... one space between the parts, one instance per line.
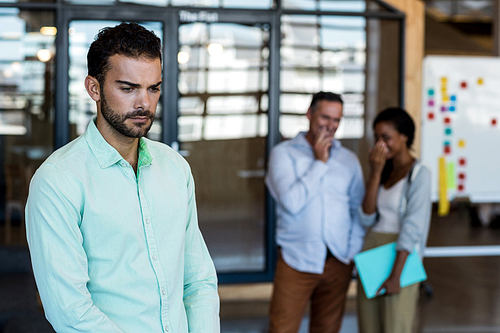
x=93 y=88
x=309 y=114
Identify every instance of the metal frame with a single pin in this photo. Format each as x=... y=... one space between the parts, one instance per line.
x=169 y=16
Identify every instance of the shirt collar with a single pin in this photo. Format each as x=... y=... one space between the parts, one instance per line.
x=106 y=154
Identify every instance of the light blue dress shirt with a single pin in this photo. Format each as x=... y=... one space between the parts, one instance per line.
x=317 y=203
x=116 y=251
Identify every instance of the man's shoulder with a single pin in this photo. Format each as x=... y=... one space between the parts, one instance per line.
x=73 y=151
x=294 y=143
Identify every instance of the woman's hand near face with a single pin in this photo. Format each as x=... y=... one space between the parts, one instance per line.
x=378 y=157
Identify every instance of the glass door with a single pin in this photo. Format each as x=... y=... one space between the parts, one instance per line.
x=223 y=85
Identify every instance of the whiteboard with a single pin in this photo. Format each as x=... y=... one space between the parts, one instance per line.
x=461 y=122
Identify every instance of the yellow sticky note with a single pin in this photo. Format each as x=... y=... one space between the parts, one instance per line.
x=443 y=203
x=444 y=80
x=461 y=143
x=480 y=81
x=445 y=98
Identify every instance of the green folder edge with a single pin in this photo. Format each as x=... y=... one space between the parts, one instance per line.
x=374 y=267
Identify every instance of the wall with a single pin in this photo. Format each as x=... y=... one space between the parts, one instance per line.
x=414 y=37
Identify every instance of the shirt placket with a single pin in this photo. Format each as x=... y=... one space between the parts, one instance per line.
x=154 y=256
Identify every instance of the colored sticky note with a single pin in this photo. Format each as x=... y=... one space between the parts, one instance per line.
x=463 y=85
x=451 y=108
x=444 y=79
x=443 y=108
x=447 y=131
x=445 y=98
x=453 y=98
x=480 y=81
x=431 y=92
x=431 y=102
x=430 y=115
x=462 y=161
x=443 y=203
x=493 y=122
x=461 y=143
x=374 y=267
x=451 y=176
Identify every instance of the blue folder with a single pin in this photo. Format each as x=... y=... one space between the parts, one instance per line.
x=374 y=267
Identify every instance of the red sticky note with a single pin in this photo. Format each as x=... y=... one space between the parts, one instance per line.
x=430 y=115
x=461 y=187
x=463 y=84
x=462 y=161
x=461 y=175
x=447 y=120
x=493 y=121
x=447 y=149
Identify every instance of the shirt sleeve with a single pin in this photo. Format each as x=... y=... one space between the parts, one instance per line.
x=356 y=193
x=415 y=222
x=292 y=191
x=57 y=254
x=201 y=299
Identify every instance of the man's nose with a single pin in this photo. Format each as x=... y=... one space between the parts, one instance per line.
x=143 y=100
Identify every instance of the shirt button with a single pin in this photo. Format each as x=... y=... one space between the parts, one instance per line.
x=147 y=221
x=155 y=257
x=164 y=292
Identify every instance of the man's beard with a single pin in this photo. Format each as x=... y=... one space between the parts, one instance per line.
x=117 y=121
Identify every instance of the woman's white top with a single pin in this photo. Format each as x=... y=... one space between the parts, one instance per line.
x=388 y=200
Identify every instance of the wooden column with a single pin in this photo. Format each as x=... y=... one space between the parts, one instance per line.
x=414 y=54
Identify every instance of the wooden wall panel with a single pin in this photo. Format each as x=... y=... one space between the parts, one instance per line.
x=414 y=49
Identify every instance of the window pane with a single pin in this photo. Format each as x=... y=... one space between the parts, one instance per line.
x=223 y=82
x=299 y=80
x=27 y=55
x=232 y=104
x=91 y=2
x=322 y=53
x=256 y=4
x=326 y=5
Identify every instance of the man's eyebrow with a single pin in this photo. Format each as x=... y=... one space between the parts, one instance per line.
x=155 y=85
x=135 y=85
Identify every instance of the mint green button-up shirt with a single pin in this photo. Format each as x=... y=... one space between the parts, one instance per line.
x=118 y=251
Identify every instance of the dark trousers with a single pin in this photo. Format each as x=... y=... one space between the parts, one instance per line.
x=293 y=290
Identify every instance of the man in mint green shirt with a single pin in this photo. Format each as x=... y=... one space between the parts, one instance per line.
x=111 y=217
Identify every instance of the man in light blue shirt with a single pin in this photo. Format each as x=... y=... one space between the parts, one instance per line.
x=111 y=217
x=318 y=188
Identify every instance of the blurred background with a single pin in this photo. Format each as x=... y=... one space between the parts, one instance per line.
x=238 y=79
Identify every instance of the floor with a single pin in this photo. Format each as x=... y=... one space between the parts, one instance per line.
x=464 y=292
x=462 y=295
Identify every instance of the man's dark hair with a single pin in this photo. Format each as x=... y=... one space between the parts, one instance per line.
x=324 y=96
x=128 y=39
x=401 y=120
